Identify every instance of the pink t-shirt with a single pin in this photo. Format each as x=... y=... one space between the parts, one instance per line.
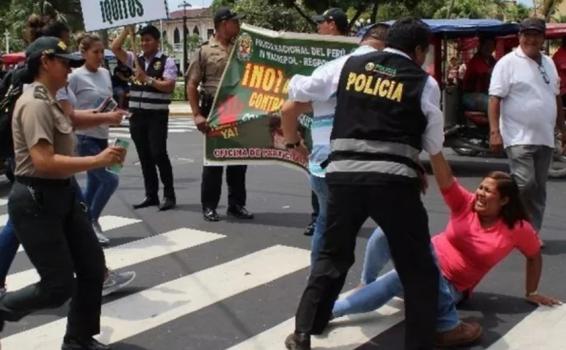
x=466 y=251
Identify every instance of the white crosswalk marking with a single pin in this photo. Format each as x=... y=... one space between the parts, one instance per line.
x=3 y=202
x=3 y=220
x=343 y=333
x=542 y=329
x=150 y=308
x=134 y=252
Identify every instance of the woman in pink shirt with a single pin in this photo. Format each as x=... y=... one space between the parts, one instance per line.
x=484 y=227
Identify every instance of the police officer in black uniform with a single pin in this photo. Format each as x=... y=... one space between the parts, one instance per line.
x=205 y=70
x=387 y=112
x=150 y=96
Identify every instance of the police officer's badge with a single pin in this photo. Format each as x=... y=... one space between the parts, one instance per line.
x=245 y=47
x=370 y=66
x=157 y=65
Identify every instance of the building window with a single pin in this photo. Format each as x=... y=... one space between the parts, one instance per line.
x=176 y=36
x=209 y=33
x=164 y=35
x=196 y=31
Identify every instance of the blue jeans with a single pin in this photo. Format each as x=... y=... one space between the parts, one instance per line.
x=320 y=189
x=100 y=184
x=9 y=245
x=377 y=292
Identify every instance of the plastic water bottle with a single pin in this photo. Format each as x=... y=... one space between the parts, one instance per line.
x=119 y=142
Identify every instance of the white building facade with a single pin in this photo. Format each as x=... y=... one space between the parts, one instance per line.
x=199 y=24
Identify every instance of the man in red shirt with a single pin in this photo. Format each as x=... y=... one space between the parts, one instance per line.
x=559 y=59
x=478 y=74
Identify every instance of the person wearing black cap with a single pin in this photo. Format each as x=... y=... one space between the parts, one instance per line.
x=43 y=200
x=387 y=111
x=204 y=73
x=332 y=22
x=524 y=109
x=150 y=96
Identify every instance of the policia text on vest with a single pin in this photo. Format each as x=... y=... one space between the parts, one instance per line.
x=375 y=86
x=114 y=10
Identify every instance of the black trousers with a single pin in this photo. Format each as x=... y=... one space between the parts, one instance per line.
x=57 y=235
x=211 y=186
x=398 y=210
x=149 y=133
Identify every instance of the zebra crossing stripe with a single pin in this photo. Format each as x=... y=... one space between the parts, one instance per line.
x=134 y=252
x=114 y=135
x=541 y=329
x=109 y=222
x=3 y=202
x=348 y=332
x=3 y=220
x=132 y=315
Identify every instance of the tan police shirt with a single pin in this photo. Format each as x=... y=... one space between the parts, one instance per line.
x=208 y=64
x=38 y=117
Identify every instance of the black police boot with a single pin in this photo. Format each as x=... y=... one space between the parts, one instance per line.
x=210 y=214
x=239 y=212
x=71 y=343
x=168 y=203
x=298 y=341
x=147 y=202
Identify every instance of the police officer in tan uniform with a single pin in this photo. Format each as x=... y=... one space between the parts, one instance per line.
x=205 y=70
x=49 y=221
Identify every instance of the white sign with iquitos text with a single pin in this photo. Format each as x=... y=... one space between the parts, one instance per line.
x=102 y=14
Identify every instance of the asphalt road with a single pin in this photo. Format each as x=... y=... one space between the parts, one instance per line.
x=236 y=284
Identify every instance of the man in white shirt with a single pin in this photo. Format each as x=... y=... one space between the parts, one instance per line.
x=524 y=109
x=380 y=126
x=300 y=96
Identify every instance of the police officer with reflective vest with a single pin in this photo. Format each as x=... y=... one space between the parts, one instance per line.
x=150 y=95
x=387 y=112
x=206 y=69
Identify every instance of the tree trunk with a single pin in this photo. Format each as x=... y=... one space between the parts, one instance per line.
x=303 y=14
x=374 y=12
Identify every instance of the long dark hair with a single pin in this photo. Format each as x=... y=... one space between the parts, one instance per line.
x=514 y=211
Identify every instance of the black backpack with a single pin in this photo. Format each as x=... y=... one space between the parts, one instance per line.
x=11 y=88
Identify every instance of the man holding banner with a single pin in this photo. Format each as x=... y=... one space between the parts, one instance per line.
x=206 y=70
x=150 y=96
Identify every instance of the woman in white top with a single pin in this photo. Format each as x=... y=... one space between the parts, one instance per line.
x=92 y=84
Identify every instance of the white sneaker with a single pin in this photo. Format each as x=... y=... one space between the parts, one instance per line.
x=102 y=239
x=116 y=281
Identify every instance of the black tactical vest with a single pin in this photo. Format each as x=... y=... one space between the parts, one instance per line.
x=146 y=98
x=379 y=123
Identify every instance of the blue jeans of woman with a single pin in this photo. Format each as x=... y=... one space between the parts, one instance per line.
x=320 y=189
x=378 y=291
x=100 y=184
x=9 y=245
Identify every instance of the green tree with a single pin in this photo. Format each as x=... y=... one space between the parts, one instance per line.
x=16 y=12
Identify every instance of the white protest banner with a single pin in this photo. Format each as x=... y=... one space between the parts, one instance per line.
x=103 y=14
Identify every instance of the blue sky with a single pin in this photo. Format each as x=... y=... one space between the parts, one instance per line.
x=173 y=4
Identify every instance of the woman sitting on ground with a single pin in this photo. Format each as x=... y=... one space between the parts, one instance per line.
x=484 y=227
